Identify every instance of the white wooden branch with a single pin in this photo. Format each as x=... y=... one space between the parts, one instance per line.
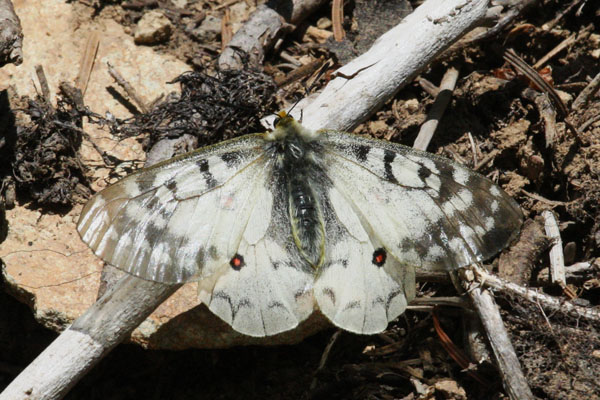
x=514 y=382
x=363 y=85
x=360 y=89
x=549 y=303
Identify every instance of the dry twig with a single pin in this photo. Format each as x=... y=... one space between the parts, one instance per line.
x=131 y=92
x=437 y=109
x=557 y=261
x=87 y=62
x=587 y=93
x=514 y=382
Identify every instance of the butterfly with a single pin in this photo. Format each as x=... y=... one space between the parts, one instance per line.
x=273 y=225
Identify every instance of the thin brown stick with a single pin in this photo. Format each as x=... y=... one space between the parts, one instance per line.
x=226 y=31
x=324 y=357
x=587 y=93
x=561 y=46
x=299 y=73
x=550 y=25
x=87 y=62
x=131 y=92
x=553 y=203
x=39 y=71
x=337 y=17
x=588 y=123
x=486 y=159
x=522 y=67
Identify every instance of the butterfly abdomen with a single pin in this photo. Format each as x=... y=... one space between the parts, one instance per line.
x=297 y=169
x=306 y=220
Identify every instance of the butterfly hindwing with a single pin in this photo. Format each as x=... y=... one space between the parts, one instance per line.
x=266 y=287
x=360 y=287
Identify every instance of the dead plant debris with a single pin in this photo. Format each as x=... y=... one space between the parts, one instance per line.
x=210 y=107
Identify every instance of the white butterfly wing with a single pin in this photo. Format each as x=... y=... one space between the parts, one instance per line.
x=419 y=209
x=353 y=290
x=271 y=289
x=194 y=218
x=154 y=223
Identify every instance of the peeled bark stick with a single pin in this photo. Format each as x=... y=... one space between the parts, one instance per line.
x=104 y=325
x=393 y=61
x=11 y=35
x=557 y=259
x=514 y=382
x=549 y=303
x=437 y=109
x=259 y=34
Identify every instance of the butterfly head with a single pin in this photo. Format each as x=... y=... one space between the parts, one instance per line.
x=286 y=127
x=283 y=120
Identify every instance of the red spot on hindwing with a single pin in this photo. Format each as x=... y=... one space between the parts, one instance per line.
x=237 y=262
x=379 y=257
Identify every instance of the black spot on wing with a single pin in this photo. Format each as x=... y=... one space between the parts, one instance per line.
x=237 y=262
x=351 y=305
x=275 y=304
x=213 y=253
x=145 y=182
x=231 y=159
x=171 y=185
x=329 y=293
x=361 y=152
x=244 y=302
x=448 y=187
x=424 y=172
x=388 y=159
x=206 y=174
x=392 y=295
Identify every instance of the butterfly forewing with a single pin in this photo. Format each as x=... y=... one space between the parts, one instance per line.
x=154 y=223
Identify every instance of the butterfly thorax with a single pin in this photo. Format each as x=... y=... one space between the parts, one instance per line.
x=295 y=146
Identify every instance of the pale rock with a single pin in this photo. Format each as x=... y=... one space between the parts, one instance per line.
x=153 y=28
x=208 y=31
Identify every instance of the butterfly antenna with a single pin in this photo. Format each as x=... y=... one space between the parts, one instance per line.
x=308 y=89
